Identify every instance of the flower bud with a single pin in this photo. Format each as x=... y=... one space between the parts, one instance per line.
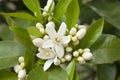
x=80 y=51
x=17 y=68
x=68 y=57
x=76 y=43
x=81 y=60
x=21 y=59
x=82 y=26
x=22 y=64
x=75 y=53
x=81 y=33
x=56 y=62
x=87 y=55
x=46 y=37
x=39 y=26
x=22 y=74
x=68 y=49
x=63 y=60
x=73 y=31
x=86 y=50
x=42 y=30
x=74 y=39
x=50 y=4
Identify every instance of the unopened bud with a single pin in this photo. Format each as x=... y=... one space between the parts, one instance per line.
x=81 y=60
x=39 y=26
x=80 y=51
x=74 y=39
x=73 y=31
x=63 y=60
x=37 y=42
x=42 y=30
x=68 y=49
x=75 y=53
x=87 y=55
x=22 y=74
x=81 y=33
x=56 y=62
x=22 y=64
x=21 y=59
x=68 y=57
x=17 y=68
x=87 y=50
x=76 y=43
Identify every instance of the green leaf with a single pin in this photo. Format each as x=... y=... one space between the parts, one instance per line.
x=76 y=76
x=23 y=37
x=57 y=73
x=61 y=8
x=29 y=60
x=70 y=70
x=22 y=15
x=34 y=6
x=37 y=74
x=72 y=14
x=9 y=53
x=106 y=72
x=109 y=10
x=34 y=31
x=93 y=33
x=7 y=75
x=106 y=49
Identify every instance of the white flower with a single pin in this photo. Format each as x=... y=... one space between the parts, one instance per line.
x=48 y=53
x=57 y=39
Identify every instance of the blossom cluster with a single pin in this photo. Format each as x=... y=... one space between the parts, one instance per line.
x=20 y=69
x=58 y=47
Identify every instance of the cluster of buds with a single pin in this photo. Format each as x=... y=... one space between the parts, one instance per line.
x=20 y=69
x=57 y=47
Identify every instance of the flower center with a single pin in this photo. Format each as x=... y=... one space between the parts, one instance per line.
x=58 y=39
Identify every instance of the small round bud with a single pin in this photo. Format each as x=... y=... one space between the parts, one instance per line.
x=87 y=50
x=68 y=57
x=17 y=68
x=81 y=60
x=76 y=43
x=22 y=64
x=81 y=33
x=80 y=51
x=63 y=60
x=73 y=31
x=75 y=53
x=39 y=26
x=49 y=18
x=21 y=59
x=44 y=13
x=68 y=49
x=57 y=62
x=22 y=74
x=74 y=39
x=42 y=30
x=46 y=37
x=87 y=55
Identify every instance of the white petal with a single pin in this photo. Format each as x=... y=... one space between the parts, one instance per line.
x=62 y=29
x=38 y=42
x=48 y=44
x=59 y=51
x=65 y=39
x=50 y=29
x=47 y=64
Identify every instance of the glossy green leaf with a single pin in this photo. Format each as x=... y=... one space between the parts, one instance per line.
x=23 y=37
x=109 y=10
x=34 y=6
x=72 y=14
x=70 y=70
x=37 y=74
x=7 y=75
x=9 y=53
x=22 y=15
x=61 y=8
x=106 y=49
x=93 y=33
x=57 y=73
x=34 y=31
x=106 y=72
x=76 y=76
x=29 y=60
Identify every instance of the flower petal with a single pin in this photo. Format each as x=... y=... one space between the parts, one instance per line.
x=50 y=29
x=47 y=64
x=62 y=29
x=65 y=39
x=48 y=44
x=59 y=51
x=38 y=42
